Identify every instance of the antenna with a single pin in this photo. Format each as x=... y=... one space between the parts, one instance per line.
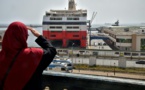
x=71 y=5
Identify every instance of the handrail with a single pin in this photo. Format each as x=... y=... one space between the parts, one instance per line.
x=69 y=81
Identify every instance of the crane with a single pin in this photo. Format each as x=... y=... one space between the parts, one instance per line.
x=90 y=22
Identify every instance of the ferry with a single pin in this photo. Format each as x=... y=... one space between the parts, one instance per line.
x=66 y=28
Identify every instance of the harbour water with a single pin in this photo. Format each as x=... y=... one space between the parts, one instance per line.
x=31 y=39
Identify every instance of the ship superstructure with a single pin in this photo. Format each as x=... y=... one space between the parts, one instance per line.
x=66 y=27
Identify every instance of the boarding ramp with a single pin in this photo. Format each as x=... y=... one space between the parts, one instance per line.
x=99 y=37
x=68 y=81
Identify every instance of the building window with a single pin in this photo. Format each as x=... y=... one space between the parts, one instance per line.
x=124 y=40
x=134 y=54
x=117 y=53
x=142 y=45
x=129 y=40
x=142 y=54
x=127 y=53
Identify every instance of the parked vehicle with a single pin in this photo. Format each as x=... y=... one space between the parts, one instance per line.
x=65 y=65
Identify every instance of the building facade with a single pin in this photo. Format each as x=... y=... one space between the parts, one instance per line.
x=127 y=38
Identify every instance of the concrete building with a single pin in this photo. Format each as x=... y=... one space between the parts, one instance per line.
x=126 y=38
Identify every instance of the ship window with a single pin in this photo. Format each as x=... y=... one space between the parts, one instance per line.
x=76 y=18
x=52 y=27
x=51 y=18
x=58 y=27
x=64 y=23
x=53 y=35
x=69 y=18
x=55 y=27
x=83 y=37
x=75 y=35
x=58 y=18
x=72 y=18
x=73 y=32
x=55 y=18
x=69 y=27
x=48 y=14
x=84 y=14
x=54 y=14
x=76 y=27
x=56 y=31
x=77 y=15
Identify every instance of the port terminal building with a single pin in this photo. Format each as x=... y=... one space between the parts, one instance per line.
x=126 y=38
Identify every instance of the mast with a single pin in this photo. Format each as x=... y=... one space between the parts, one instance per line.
x=71 y=5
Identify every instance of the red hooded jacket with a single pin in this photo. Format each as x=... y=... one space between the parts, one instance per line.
x=27 y=61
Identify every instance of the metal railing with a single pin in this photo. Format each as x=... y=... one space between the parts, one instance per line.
x=69 y=81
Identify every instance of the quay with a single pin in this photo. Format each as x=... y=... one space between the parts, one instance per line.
x=103 y=57
x=111 y=74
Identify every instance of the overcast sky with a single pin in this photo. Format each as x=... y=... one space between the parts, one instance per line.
x=108 y=11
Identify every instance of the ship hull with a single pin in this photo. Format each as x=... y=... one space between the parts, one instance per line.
x=67 y=38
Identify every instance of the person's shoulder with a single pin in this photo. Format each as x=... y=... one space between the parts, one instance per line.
x=32 y=53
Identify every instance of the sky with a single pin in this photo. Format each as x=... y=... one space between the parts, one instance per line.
x=108 y=11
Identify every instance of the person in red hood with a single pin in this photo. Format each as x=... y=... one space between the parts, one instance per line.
x=21 y=66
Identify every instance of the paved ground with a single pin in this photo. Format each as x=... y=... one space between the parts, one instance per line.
x=110 y=74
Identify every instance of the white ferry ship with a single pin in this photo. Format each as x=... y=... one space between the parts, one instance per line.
x=66 y=27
